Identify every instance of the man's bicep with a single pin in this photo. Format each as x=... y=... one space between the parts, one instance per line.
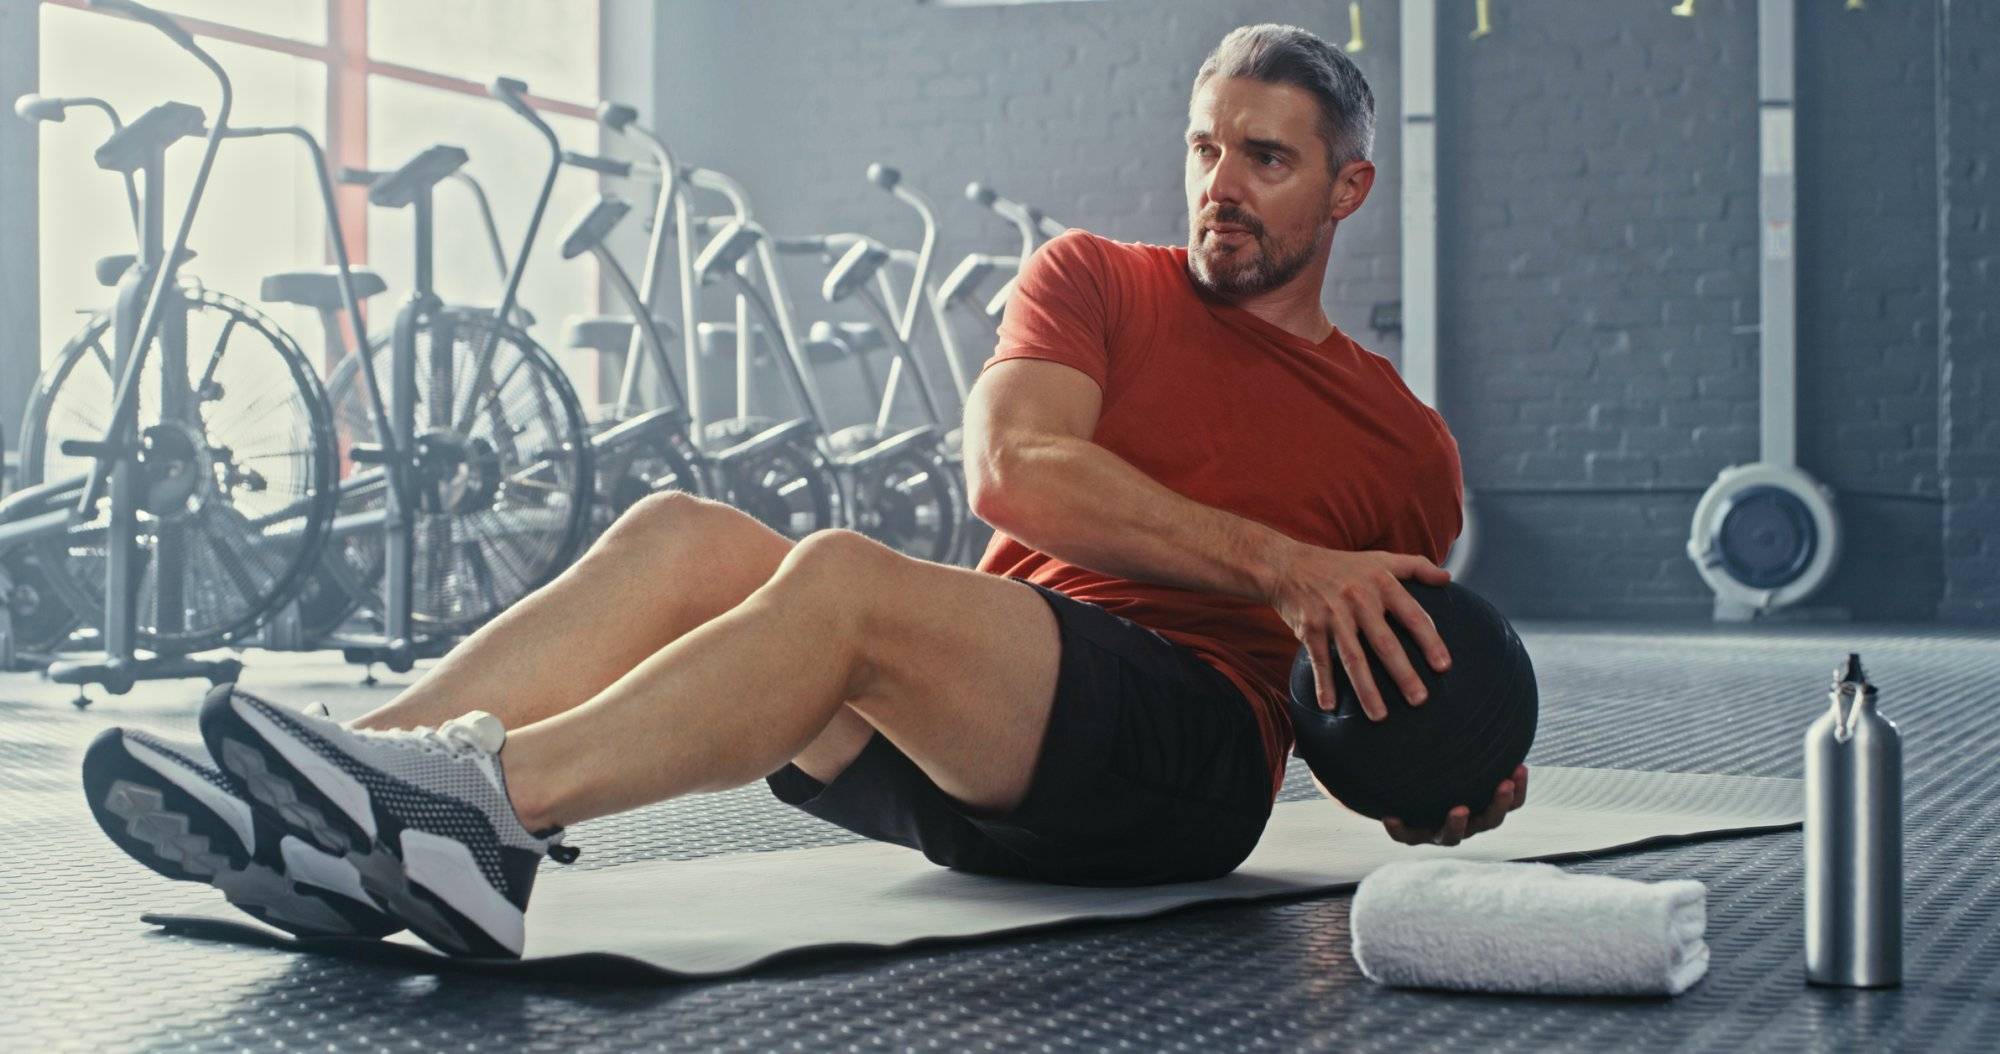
x=1019 y=402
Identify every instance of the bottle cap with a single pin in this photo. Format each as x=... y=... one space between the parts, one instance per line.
x=1851 y=676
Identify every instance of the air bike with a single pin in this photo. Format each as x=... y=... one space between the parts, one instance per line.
x=177 y=483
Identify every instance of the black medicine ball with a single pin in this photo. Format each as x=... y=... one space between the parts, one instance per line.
x=1420 y=762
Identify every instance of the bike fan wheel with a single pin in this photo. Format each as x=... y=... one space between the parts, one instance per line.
x=787 y=486
x=324 y=603
x=502 y=474
x=910 y=503
x=235 y=485
x=647 y=454
x=41 y=621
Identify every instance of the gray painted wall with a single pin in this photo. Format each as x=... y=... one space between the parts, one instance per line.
x=20 y=304
x=1598 y=216
x=1599 y=235
x=1598 y=219
x=1969 y=170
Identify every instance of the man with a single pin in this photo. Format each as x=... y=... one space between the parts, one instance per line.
x=1189 y=470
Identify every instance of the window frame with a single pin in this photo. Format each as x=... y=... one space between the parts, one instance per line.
x=348 y=67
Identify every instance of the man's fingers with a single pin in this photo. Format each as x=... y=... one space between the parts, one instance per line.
x=1390 y=651
x=1454 y=826
x=1355 y=661
x=1460 y=824
x=1424 y=571
x=1424 y=631
x=1497 y=809
x=1404 y=834
x=1322 y=668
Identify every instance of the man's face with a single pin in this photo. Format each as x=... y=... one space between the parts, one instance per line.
x=1260 y=198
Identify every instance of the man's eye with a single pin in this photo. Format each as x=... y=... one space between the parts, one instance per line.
x=1268 y=159
x=1203 y=150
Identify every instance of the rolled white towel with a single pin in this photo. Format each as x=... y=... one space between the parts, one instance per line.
x=1530 y=928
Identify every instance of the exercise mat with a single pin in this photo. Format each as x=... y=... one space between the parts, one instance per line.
x=723 y=915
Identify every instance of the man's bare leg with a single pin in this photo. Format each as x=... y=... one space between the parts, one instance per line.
x=671 y=563
x=957 y=668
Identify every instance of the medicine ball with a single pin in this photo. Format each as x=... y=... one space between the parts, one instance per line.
x=1420 y=762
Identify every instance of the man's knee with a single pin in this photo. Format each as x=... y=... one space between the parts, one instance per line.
x=847 y=578
x=842 y=559
x=677 y=517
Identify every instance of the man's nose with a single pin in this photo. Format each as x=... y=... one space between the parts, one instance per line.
x=1224 y=183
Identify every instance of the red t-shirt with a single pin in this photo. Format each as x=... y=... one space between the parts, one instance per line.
x=1323 y=443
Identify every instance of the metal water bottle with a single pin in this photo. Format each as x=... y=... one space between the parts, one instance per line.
x=1854 y=840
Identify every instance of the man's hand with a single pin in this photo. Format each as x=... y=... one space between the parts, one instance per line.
x=1459 y=824
x=1327 y=593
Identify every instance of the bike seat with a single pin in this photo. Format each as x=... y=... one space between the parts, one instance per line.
x=716 y=339
x=588 y=231
x=154 y=131
x=856 y=267
x=865 y=444
x=393 y=190
x=727 y=247
x=111 y=268
x=800 y=431
x=320 y=288
x=611 y=334
x=857 y=337
x=965 y=278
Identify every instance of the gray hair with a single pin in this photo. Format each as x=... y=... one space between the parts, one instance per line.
x=1279 y=54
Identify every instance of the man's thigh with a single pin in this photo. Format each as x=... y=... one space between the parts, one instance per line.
x=963 y=669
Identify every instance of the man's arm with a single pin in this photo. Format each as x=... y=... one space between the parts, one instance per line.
x=1035 y=474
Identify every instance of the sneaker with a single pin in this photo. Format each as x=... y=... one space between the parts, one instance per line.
x=175 y=813
x=422 y=815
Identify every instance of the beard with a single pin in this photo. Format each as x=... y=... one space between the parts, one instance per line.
x=1264 y=263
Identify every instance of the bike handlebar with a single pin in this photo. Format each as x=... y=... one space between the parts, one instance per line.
x=125 y=401
x=830 y=245
x=609 y=166
x=35 y=107
x=624 y=119
x=615 y=115
x=151 y=17
x=513 y=93
x=891 y=180
x=1025 y=216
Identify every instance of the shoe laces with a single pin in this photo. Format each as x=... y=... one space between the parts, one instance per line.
x=458 y=738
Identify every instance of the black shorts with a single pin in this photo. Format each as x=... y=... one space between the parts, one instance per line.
x=1152 y=771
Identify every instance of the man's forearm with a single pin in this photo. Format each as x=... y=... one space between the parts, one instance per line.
x=1083 y=504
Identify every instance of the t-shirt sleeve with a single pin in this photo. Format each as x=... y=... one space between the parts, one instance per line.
x=1061 y=309
x=1448 y=517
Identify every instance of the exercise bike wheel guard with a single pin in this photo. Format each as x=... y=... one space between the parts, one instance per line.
x=1764 y=536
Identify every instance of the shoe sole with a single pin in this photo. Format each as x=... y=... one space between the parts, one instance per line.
x=330 y=813
x=166 y=816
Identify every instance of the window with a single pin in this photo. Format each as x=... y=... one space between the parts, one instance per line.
x=993 y=3
x=376 y=82
x=508 y=159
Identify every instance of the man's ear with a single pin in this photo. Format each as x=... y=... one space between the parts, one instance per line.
x=1350 y=188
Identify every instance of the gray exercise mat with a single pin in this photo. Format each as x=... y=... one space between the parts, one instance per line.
x=724 y=915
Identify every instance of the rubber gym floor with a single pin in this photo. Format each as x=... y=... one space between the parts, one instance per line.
x=80 y=971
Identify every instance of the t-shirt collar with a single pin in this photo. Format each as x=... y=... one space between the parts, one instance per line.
x=1234 y=315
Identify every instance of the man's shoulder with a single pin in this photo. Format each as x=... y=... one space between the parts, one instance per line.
x=1390 y=378
x=1095 y=250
